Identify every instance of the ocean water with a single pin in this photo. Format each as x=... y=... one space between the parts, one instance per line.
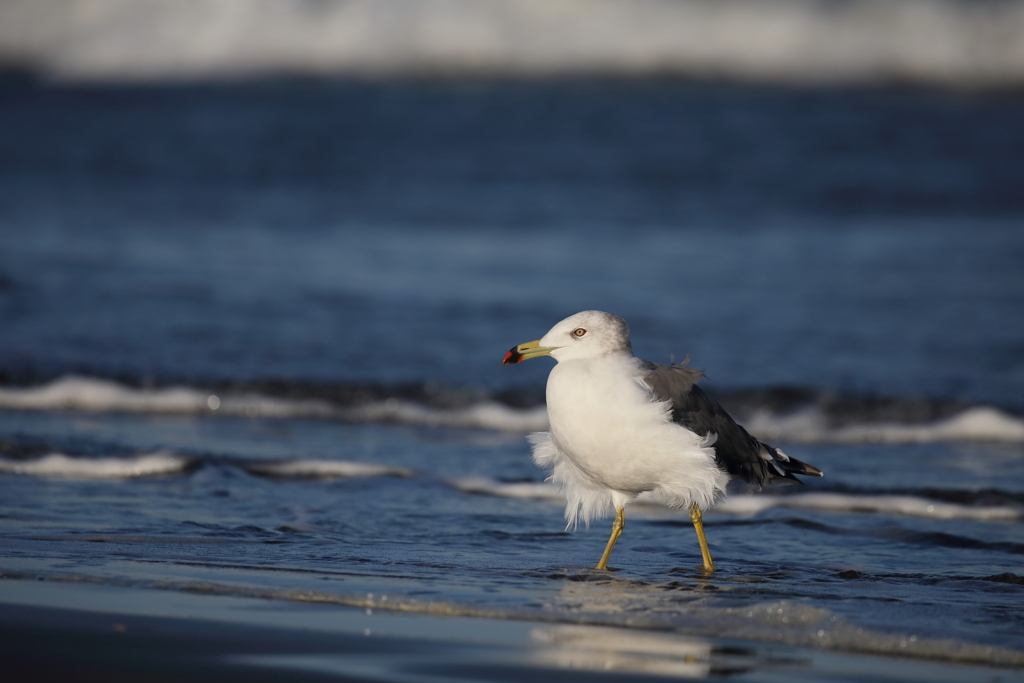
x=252 y=333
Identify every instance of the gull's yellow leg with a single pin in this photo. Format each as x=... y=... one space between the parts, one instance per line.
x=617 y=525
x=698 y=524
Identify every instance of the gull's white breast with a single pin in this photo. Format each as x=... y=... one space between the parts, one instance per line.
x=607 y=424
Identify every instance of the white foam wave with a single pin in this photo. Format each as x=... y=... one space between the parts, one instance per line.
x=99 y=395
x=484 y=415
x=909 y=506
x=325 y=469
x=981 y=423
x=952 y=42
x=490 y=487
x=60 y=465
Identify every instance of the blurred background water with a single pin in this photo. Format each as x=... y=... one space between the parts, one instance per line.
x=404 y=232
x=252 y=327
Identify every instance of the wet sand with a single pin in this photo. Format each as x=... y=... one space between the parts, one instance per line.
x=52 y=630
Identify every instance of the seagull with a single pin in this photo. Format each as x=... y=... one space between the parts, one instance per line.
x=620 y=426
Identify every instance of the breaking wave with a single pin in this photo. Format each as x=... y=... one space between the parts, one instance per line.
x=353 y=404
x=324 y=469
x=741 y=504
x=949 y=42
x=979 y=423
x=164 y=463
x=752 y=504
x=779 y=415
x=60 y=465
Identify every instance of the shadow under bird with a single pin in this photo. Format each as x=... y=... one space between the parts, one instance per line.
x=620 y=426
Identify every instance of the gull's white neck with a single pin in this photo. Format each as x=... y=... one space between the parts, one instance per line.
x=589 y=388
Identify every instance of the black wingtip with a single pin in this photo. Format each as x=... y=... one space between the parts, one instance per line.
x=795 y=466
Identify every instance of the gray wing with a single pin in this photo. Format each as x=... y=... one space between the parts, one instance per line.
x=736 y=451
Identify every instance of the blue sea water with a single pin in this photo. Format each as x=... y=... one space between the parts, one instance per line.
x=204 y=285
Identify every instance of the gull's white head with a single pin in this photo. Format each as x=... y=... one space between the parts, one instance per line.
x=588 y=334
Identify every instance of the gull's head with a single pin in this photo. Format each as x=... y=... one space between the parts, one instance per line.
x=589 y=334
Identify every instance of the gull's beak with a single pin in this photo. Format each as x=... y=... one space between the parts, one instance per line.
x=517 y=354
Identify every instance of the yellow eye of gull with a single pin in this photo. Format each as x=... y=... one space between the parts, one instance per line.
x=579 y=331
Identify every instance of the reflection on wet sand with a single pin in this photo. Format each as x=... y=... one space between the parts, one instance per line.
x=599 y=648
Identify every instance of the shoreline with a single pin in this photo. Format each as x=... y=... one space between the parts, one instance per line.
x=113 y=633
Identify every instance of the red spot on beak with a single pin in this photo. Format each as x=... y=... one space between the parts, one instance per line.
x=512 y=356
